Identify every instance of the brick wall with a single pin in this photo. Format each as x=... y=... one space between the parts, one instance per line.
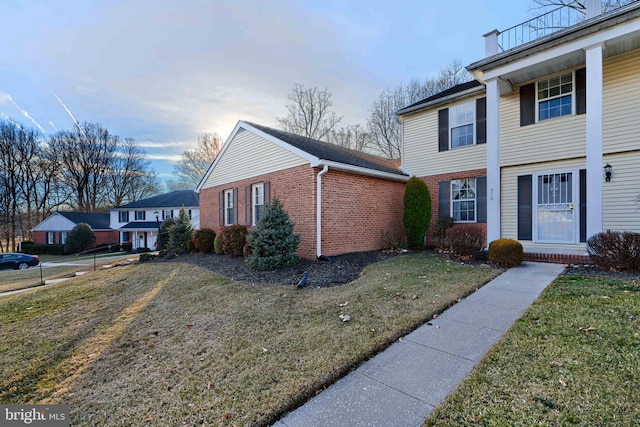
x=432 y=182
x=102 y=237
x=359 y=213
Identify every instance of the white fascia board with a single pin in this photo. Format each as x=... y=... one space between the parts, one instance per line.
x=280 y=143
x=363 y=171
x=219 y=155
x=565 y=49
x=444 y=100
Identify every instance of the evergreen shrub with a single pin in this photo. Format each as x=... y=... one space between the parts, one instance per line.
x=417 y=211
x=272 y=243
x=217 y=245
x=203 y=240
x=80 y=238
x=180 y=233
x=233 y=239
x=506 y=252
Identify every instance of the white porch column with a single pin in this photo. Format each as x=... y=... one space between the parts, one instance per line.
x=493 y=160
x=594 y=139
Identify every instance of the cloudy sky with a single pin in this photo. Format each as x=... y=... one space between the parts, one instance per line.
x=164 y=71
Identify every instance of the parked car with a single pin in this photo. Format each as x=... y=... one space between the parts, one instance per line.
x=18 y=261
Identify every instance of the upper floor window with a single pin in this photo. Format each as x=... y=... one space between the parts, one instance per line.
x=258 y=202
x=140 y=215
x=462 y=124
x=461 y=121
x=124 y=216
x=228 y=207
x=167 y=214
x=555 y=96
x=463 y=199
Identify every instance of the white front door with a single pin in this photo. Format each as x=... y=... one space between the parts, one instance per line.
x=556 y=217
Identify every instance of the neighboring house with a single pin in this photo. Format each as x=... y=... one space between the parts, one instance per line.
x=549 y=115
x=56 y=227
x=138 y=222
x=340 y=200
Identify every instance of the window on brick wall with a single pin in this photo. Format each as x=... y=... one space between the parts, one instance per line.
x=229 y=218
x=257 y=202
x=51 y=237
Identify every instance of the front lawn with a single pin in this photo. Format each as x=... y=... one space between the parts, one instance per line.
x=173 y=344
x=573 y=359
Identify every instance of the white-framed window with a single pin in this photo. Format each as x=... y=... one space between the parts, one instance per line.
x=124 y=216
x=126 y=236
x=167 y=214
x=63 y=237
x=51 y=237
x=554 y=96
x=257 y=201
x=461 y=124
x=463 y=199
x=228 y=207
x=140 y=215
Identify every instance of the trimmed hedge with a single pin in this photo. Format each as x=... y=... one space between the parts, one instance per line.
x=506 y=252
x=40 y=249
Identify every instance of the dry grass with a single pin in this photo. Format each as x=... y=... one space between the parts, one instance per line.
x=573 y=359
x=172 y=344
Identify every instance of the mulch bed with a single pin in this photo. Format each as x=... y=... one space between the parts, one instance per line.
x=341 y=269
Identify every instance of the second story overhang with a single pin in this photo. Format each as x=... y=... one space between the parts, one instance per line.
x=617 y=32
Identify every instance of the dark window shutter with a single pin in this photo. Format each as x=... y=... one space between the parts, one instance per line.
x=221 y=207
x=481 y=121
x=481 y=197
x=267 y=193
x=247 y=205
x=581 y=91
x=525 y=204
x=583 y=205
x=528 y=104
x=444 y=193
x=235 y=205
x=443 y=129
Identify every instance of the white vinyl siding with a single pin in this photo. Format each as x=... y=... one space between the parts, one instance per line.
x=621 y=103
x=420 y=153
x=620 y=212
x=548 y=140
x=250 y=155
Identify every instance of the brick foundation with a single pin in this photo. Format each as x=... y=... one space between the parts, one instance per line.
x=557 y=258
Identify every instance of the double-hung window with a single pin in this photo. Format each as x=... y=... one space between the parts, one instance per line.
x=140 y=215
x=258 y=202
x=461 y=122
x=555 y=96
x=228 y=207
x=463 y=199
x=167 y=214
x=51 y=237
x=124 y=216
x=63 y=237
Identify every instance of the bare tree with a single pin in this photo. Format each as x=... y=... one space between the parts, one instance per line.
x=130 y=178
x=580 y=5
x=310 y=113
x=383 y=125
x=354 y=137
x=194 y=163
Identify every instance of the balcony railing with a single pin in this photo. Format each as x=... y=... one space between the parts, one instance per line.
x=548 y=23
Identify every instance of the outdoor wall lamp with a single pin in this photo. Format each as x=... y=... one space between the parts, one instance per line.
x=608 y=171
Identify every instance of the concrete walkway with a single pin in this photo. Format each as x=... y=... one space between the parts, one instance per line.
x=404 y=384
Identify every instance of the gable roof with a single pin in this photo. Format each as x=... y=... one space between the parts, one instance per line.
x=174 y=199
x=318 y=153
x=97 y=221
x=456 y=92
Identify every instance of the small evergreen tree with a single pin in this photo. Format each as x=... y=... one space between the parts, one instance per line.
x=80 y=238
x=417 y=211
x=180 y=233
x=273 y=243
x=164 y=232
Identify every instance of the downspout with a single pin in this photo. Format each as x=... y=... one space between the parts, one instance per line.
x=319 y=210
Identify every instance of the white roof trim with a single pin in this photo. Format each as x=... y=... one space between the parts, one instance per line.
x=363 y=171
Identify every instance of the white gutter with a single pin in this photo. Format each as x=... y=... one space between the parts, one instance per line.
x=319 y=210
x=359 y=170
